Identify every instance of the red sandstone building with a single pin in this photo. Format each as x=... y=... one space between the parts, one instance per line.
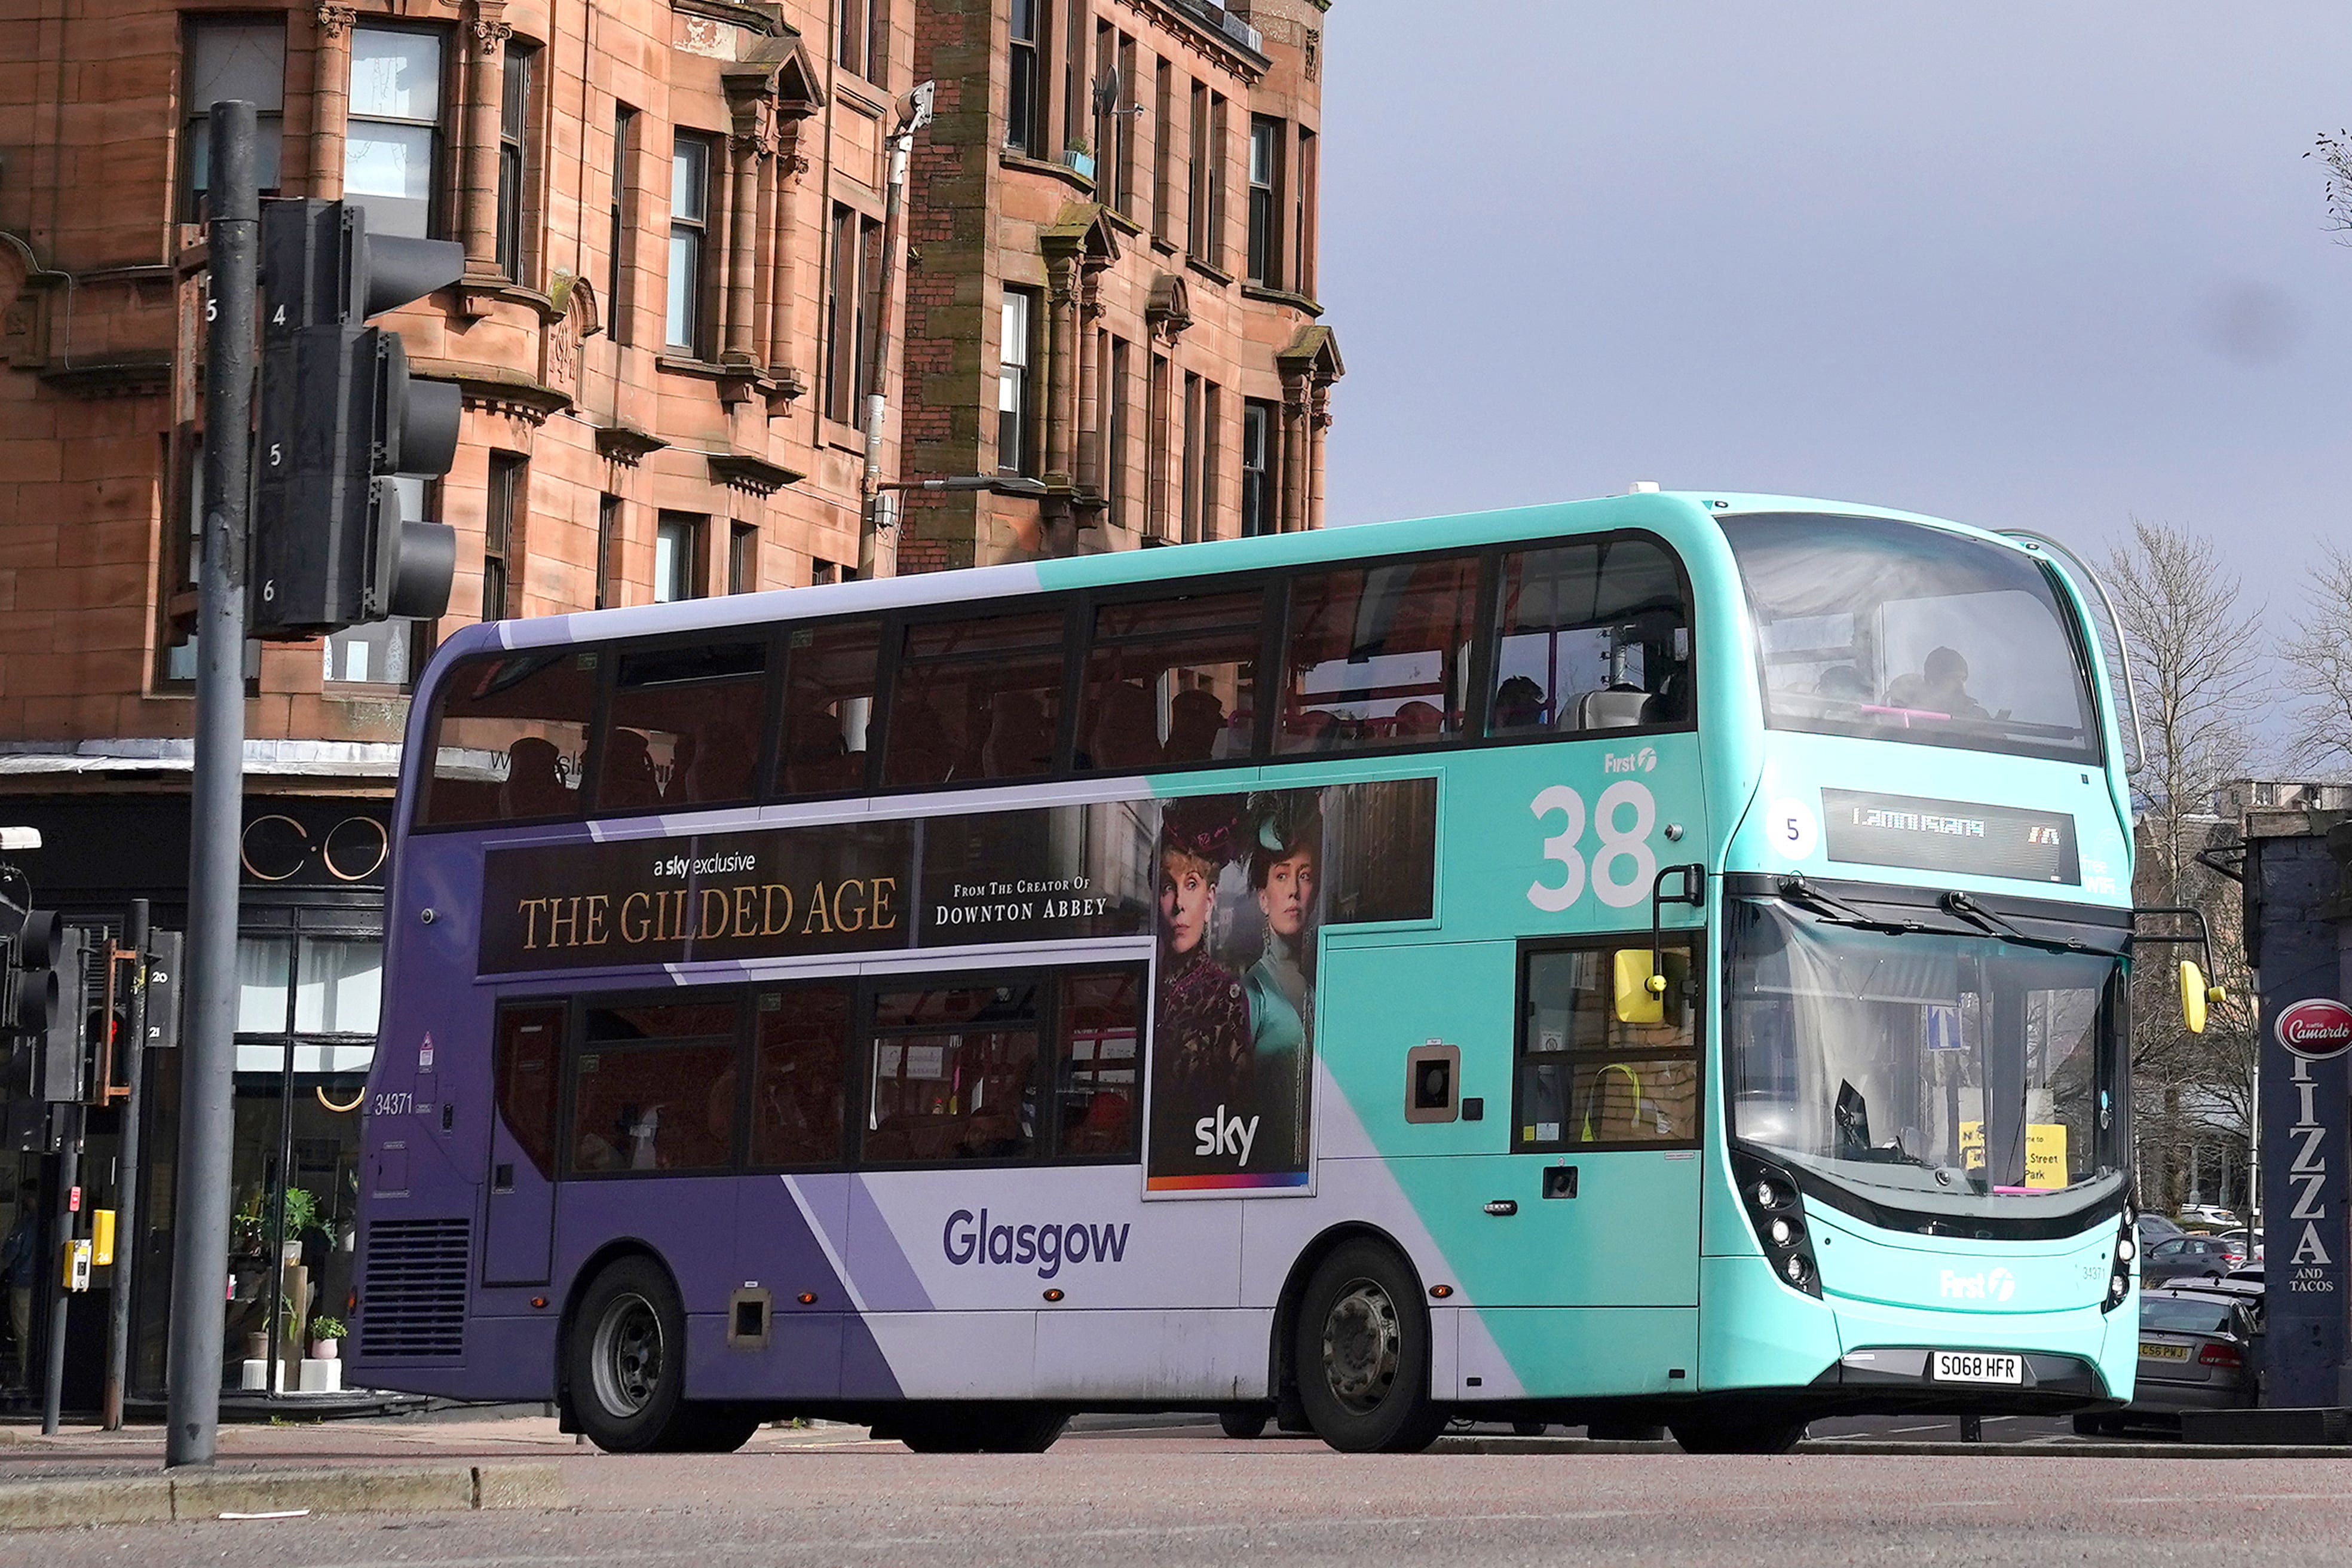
x=673 y=216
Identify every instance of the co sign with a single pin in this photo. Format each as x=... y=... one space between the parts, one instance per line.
x=2318 y=1028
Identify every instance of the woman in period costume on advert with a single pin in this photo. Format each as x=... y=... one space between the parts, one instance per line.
x=1286 y=854
x=1204 y=1022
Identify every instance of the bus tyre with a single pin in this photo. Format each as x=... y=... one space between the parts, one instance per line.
x=1738 y=1434
x=712 y=1428
x=624 y=1361
x=1361 y=1353
x=1243 y=1421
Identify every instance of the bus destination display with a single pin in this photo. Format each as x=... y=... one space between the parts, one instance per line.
x=1949 y=836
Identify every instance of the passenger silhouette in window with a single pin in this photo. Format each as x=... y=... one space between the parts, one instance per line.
x=1941 y=687
x=534 y=785
x=629 y=779
x=1519 y=704
x=1196 y=719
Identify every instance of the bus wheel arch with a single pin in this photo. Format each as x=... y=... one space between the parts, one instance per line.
x=1366 y=1249
x=584 y=1281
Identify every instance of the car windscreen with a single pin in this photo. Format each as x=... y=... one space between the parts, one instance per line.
x=2180 y=1315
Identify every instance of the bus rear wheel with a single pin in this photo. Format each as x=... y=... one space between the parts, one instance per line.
x=1362 y=1354
x=625 y=1364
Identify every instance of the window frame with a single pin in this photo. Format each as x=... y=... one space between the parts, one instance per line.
x=698 y=530
x=617 y=269
x=1263 y=263
x=1490 y=644
x=187 y=199
x=437 y=224
x=518 y=96
x=1692 y=941
x=575 y=1045
x=695 y=344
x=506 y=502
x=1023 y=101
x=1024 y=385
x=892 y=663
x=610 y=652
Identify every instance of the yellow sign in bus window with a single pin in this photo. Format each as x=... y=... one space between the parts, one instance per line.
x=2045 y=1152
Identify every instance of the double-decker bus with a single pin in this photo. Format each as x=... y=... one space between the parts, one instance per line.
x=1658 y=959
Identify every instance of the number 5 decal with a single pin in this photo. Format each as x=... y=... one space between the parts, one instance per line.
x=1624 y=866
x=1561 y=847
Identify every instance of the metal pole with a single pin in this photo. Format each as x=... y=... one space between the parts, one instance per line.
x=872 y=560
x=126 y=1186
x=200 y=1225
x=70 y=1130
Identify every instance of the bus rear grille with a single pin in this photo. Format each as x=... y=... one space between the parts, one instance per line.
x=413 y=1296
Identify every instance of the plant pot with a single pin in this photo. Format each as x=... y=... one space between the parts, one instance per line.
x=1083 y=162
x=324 y=1349
x=256 y=1347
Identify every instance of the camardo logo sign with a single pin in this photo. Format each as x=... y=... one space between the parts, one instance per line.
x=1998 y=1285
x=2318 y=1028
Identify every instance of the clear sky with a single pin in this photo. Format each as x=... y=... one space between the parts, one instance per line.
x=2046 y=264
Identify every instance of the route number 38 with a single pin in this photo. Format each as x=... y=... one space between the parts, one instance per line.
x=1623 y=867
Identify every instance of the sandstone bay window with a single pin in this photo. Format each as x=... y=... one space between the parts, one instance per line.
x=501 y=523
x=1013 y=384
x=617 y=310
x=852 y=268
x=1260 y=424
x=1265 y=202
x=689 y=236
x=677 y=547
x=514 y=161
x=394 y=143
x=232 y=59
x=1022 y=102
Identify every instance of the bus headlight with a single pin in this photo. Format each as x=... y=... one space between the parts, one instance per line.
x=2119 y=1269
x=1769 y=1196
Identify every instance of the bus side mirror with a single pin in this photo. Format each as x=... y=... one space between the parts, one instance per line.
x=1640 y=990
x=2192 y=996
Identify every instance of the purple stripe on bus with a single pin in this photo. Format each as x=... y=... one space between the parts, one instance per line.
x=886 y=1282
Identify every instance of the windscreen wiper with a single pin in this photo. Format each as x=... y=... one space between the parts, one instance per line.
x=1805 y=896
x=1984 y=920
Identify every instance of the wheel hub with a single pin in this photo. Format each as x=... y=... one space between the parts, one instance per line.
x=627 y=1355
x=1363 y=1346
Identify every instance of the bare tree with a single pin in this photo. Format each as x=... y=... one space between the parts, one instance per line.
x=2333 y=151
x=2197 y=668
x=2319 y=663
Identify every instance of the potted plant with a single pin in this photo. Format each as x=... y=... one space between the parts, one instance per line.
x=326 y=1334
x=301 y=1213
x=1079 y=155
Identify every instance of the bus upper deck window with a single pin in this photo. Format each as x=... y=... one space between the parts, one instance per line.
x=1379 y=656
x=1593 y=635
x=829 y=674
x=509 y=735
x=684 y=726
x=976 y=700
x=1171 y=683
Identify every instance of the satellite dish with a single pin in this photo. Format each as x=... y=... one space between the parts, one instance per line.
x=1106 y=88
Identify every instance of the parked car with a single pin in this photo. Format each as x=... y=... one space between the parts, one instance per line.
x=2208 y=1216
x=2177 y=1258
x=2199 y=1350
x=2246 y=1246
x=2155 y=1227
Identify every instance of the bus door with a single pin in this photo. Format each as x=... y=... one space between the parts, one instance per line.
x=518 y=1234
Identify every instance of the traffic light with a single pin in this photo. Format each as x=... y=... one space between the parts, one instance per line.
x=48 y=981
x=340 y=415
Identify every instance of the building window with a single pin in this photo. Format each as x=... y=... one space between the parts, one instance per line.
x=1163 y=146
x=1076 y=97
x=744 y=558
x=1213 y=431
x=855 y=248
x=1012 y=389
x=394 y=143
x=1114 y=459
x=857 y=36
x=1155 y=449
x=1302 y=250
x=1265 y=202
x=1120 y=146
x=689 y=222
x=617 y=310
x=502 y=519
x=1021 y=96
x=1258 y=437
x=822 y=573
x=1196 y=239
x=608 y=546
x=232 y=59
x=677 y=543
x=514 y=126
x=1190 y=514
x=1212 y=245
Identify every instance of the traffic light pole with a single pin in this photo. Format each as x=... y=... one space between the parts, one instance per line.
x=208 y=1062
x=133 y=1050
x=68 y=1122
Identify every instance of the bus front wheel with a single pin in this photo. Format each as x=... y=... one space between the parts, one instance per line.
x=625 y=1363
x=1362 y=1354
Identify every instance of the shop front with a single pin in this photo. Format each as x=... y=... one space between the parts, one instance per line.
x=309 y=962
